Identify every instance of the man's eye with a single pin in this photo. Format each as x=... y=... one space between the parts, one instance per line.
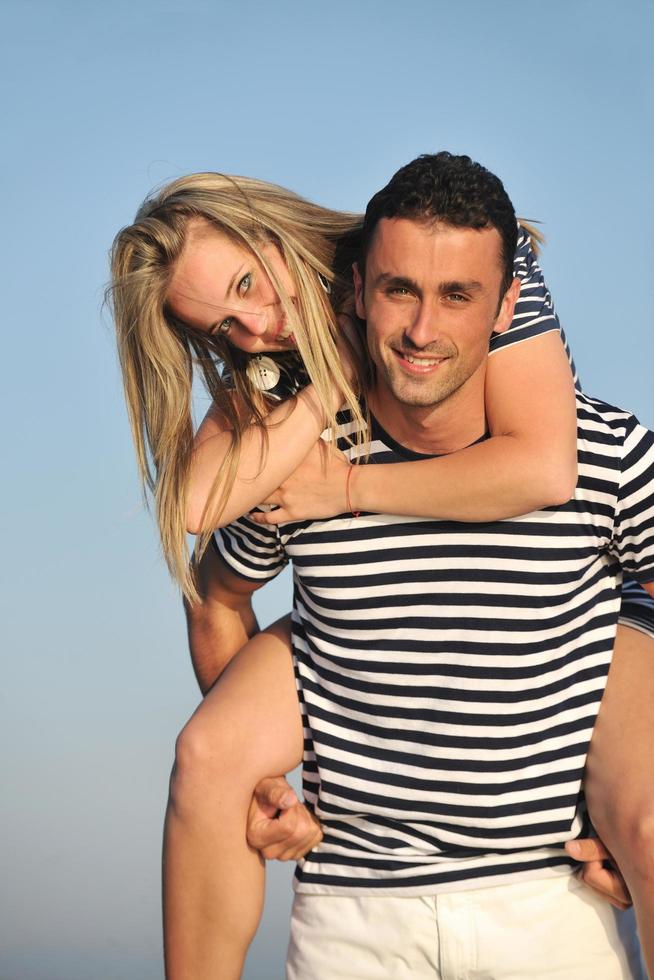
x=226 y=325
x=399 y=291
x=245 y=283
x=457 y=297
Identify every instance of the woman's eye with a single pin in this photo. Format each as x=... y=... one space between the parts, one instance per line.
x=225 y=326
x=245 y=283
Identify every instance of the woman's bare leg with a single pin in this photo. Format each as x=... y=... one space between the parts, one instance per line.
x=247 y=727
x=620 y=775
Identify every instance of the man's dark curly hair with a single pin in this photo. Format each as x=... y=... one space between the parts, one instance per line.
x=451 y=189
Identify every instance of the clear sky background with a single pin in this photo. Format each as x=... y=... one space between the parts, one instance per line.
x=99 y=103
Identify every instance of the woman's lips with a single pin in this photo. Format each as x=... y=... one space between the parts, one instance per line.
x=279 y=331
x=278 y=336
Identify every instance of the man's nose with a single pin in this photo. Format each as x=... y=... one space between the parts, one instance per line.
x=424 y=327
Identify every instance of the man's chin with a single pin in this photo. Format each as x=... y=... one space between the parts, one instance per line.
x=417 y=395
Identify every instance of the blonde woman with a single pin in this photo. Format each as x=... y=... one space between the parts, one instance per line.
x=215 y=269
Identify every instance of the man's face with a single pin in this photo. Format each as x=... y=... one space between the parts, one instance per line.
x=431 y=301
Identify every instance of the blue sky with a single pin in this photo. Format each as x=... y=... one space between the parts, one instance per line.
x=100 y=102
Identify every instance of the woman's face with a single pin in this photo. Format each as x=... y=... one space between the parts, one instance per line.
x=221 y=288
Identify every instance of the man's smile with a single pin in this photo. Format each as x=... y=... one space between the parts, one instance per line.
x=418 y=363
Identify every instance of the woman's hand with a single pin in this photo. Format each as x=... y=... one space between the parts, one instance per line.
x=317 y=489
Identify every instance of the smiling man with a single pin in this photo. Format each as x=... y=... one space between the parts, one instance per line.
x=450 y=674
x=428 y=334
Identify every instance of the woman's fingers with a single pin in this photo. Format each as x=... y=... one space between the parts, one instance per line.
x=269 y=517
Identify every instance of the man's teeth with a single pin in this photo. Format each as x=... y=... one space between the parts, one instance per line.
x=424 y=361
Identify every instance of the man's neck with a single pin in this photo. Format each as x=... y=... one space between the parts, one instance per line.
x=453 y=424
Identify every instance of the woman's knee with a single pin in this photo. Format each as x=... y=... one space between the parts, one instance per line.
x=206 y=763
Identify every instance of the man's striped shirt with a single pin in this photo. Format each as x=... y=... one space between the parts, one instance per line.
x=450 y=674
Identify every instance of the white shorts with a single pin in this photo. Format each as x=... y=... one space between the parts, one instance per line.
x=543 y=928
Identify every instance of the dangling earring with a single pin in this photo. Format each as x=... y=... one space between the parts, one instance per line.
x=325 y=283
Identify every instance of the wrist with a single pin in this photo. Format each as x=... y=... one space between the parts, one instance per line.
x=351 y=500
x=361 y=489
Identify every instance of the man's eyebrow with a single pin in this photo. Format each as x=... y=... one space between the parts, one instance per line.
x=387 y=279
x=460 y=286
x=451 y=286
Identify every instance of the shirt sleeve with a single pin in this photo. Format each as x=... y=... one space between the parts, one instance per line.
x=637 y=608
x=633 y=533
x=252 y=551
x=534 y=310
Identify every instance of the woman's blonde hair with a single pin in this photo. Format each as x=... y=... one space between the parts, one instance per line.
x=158 y=353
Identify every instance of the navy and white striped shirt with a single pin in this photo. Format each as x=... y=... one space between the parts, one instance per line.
x=450 y=674
x=533 y=316
x=534 y=312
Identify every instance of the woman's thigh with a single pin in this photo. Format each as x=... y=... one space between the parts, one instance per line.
x=620 y=768
x=250 y=720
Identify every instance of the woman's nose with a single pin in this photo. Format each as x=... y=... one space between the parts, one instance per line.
x=255 y=322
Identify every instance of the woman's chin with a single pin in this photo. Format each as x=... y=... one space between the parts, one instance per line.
x=273 y=346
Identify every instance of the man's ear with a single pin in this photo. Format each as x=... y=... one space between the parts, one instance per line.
x=358 y=292
x=507 y=306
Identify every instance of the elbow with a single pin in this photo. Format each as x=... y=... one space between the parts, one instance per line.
x=559 y=484
x=194 y=513
x=193 y=522
x=549 y=473
x=197 y=525
x=198 y=520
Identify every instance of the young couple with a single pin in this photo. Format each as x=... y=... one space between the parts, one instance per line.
x=456 y=603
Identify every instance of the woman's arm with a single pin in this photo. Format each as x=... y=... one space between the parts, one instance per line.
x=292 y=429
x=529 y=462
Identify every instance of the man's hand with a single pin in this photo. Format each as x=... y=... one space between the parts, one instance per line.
x=279 y=826
x=599 y=871
x=317 y=489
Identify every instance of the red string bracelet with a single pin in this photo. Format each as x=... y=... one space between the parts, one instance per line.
x=355 y=513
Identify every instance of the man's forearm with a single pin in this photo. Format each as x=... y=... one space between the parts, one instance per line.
x=217 y=631
x=222 y=622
